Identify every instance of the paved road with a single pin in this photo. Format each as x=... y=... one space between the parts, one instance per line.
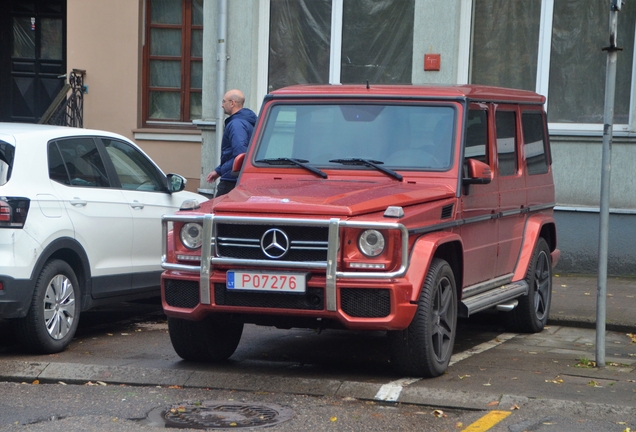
x=543 y=380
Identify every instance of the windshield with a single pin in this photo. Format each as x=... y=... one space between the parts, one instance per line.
x=409 y=137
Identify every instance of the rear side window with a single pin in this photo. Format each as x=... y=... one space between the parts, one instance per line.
x=6 y=161
x=76 y=162
x=534 y=142
x=506 y=143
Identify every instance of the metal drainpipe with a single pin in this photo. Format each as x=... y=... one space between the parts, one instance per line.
x=221 y=58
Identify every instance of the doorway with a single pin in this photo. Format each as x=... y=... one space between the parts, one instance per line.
x=32 y=57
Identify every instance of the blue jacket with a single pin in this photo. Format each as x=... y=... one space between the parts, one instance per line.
x=238 y=131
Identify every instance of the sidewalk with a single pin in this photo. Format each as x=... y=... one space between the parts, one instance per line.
x=574 y=302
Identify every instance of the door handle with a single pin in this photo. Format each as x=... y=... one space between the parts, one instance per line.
x=78 y=202
x=137 y=205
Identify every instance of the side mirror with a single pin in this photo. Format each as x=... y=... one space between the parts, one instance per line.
x=238 y=164
x=477 y=172
x=176 y=183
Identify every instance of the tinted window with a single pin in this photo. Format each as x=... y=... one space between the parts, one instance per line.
x=134 y=170
x=477 y=136
x=76 y=162
x=6 y=162
x=534 y=143
x=506 y=143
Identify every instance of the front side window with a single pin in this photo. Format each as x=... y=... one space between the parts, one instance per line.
x=173 y=61
x=395 y=136
x=134 y=170
x=476 y=146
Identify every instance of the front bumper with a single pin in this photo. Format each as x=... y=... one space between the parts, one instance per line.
x=361 y=304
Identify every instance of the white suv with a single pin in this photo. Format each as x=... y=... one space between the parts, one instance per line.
x=80 y=225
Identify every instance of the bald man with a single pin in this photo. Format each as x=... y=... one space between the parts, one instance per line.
x=236 y=136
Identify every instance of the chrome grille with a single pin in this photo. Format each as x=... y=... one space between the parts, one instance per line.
x=306 y=243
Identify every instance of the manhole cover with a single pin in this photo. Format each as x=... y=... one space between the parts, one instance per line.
x=219 y=415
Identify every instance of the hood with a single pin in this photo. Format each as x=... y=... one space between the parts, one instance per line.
x=325 y=197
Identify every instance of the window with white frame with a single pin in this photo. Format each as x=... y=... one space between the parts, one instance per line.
x=554 y=48
x=336 y=41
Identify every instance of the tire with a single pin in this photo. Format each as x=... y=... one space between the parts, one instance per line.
x=53 y=315
x=531 y=314
x=210 y=340
x=425 y=347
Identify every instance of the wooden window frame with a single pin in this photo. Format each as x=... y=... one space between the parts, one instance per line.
x=186 y=59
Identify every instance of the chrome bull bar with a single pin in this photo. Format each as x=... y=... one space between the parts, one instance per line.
x=209 y=221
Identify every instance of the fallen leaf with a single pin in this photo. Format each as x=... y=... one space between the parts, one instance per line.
x=459 y=425
x=556 y=380
x=36 y=382
x=233 y=424
x=594 y=384
x=632 y=336
x=439 y=413
x=101 y=383
x=333 y=419
x=493 y=403
x=61 y=382
x=124 y=334
x=175 y=387
x=514 y=407
x=587 y=294
x=464 y=376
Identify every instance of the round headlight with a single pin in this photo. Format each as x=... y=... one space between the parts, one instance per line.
x=192 y=235
x=371 y=243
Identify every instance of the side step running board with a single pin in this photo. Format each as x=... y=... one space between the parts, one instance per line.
x=491 y=298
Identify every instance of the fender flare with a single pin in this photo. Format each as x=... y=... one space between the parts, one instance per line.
x=70 y=250
x=535 y=225
x=422 y=254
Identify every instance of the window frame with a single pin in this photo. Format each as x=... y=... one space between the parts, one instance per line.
x=543 y=71
x=186 y=59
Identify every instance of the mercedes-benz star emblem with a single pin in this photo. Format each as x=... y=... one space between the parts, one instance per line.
x=274 y=243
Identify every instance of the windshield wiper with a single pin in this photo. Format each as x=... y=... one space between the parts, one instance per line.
x=293 y=161
x=369 y=163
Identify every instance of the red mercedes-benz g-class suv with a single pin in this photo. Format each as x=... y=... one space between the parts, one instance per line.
x=395 y=208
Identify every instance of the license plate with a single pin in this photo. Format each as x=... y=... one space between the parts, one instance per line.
x=267 y=281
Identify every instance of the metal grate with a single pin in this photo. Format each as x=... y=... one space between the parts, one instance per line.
x=307 y=243
x=365 y=302
x=312 y=299
x=447 y=211
x=218 y=415
x=183 y=294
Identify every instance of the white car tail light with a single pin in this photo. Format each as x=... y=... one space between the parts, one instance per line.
x=13 y=212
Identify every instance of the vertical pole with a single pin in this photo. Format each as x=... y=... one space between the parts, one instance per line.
x=221 y=65
x=610 y=90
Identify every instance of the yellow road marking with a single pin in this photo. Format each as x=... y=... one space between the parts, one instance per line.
x=487 y=421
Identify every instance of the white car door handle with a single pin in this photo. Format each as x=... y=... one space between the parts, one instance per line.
x=77 y=202
x=136 y=205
